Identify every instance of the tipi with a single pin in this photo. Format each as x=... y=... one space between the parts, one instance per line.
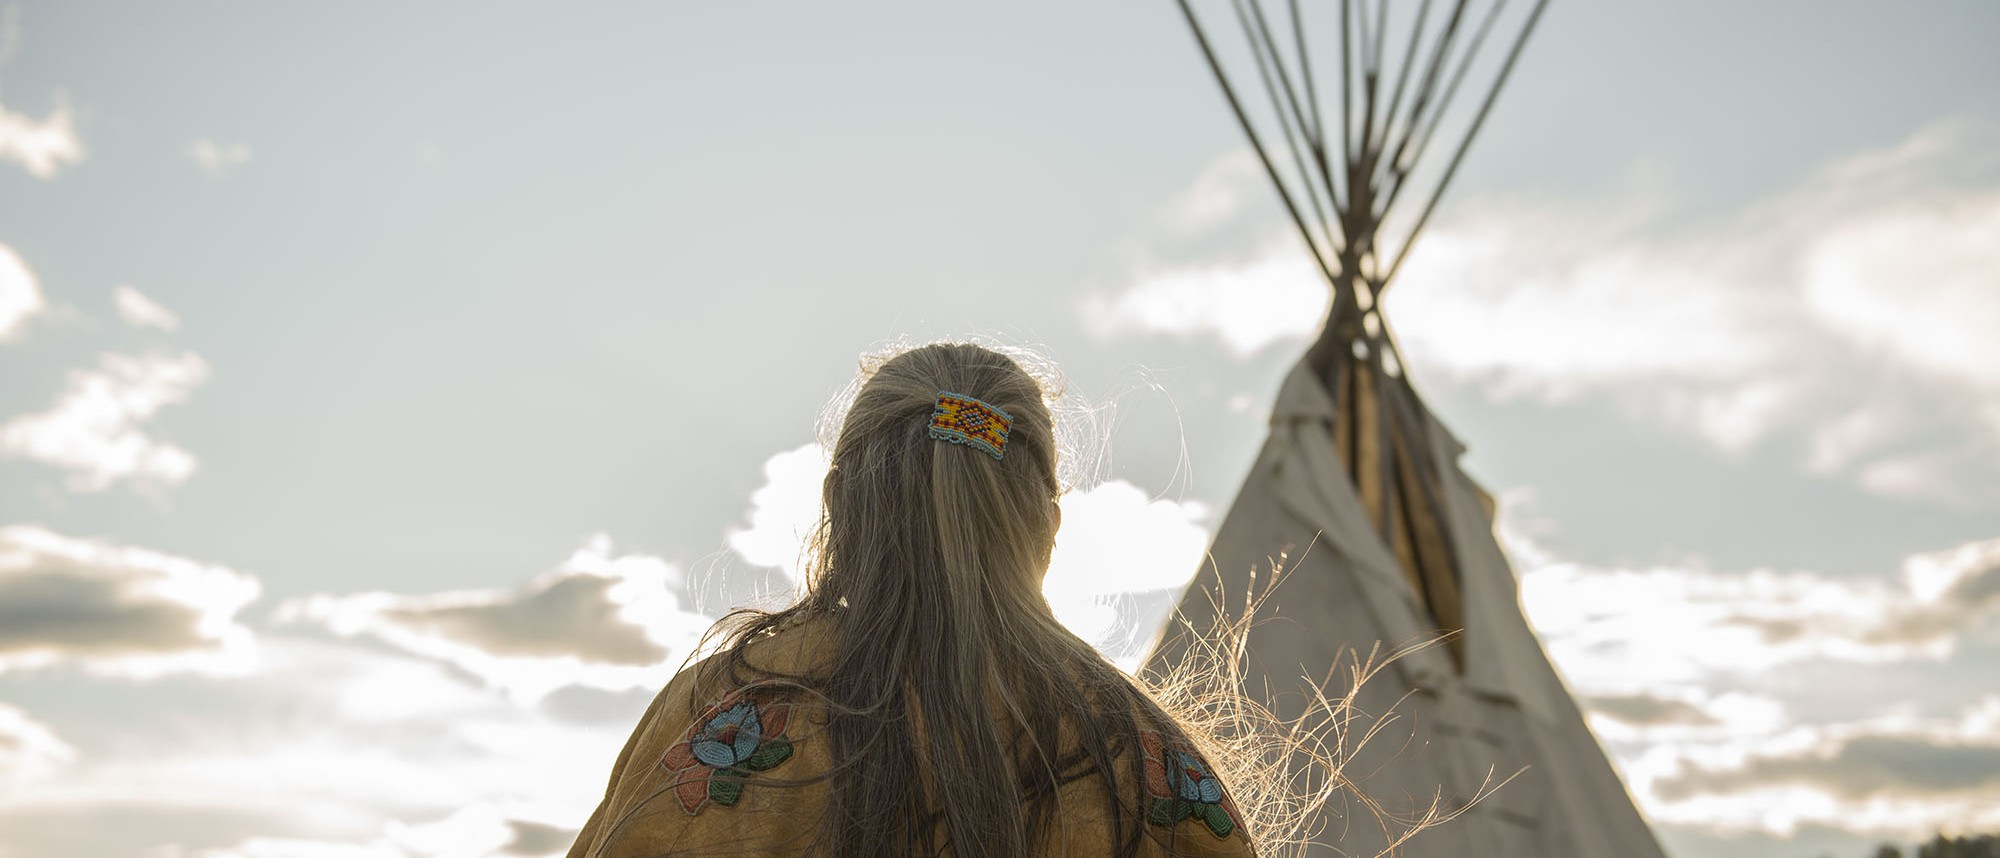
x=1387 y=540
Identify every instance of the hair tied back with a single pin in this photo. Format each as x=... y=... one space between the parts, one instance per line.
x=961 y=419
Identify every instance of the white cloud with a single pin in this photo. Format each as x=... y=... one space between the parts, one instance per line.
x=42 y=147
x=600 y=619
x=1219 y=194
x=1557 y=305
x=1473 y=302
x=783 y=511
x=1919 y=283
x=1882 y=249
x=1681 y=624
x=327 y=744
x=1610 y=627
x=1274 y=297
x=29 y=751
x=117 y=610
x=214 y=158
x=1953 y=588
x=140 y=311
x=1116 y=540
x=20 y=293
x=95 y=430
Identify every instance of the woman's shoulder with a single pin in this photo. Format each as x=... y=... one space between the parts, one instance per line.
x=733 y=657
x=1185 y=794
x=1178 y=801
x=726 y=753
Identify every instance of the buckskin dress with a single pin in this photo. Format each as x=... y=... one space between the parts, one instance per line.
x=742 y=772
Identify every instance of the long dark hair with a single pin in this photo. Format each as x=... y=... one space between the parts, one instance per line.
x=929 y=565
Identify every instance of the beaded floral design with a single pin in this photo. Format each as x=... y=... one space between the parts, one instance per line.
x=962 y=419
x=1182 y=786
x=736 y=738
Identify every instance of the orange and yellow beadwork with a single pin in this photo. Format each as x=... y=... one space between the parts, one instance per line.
x=961 y=419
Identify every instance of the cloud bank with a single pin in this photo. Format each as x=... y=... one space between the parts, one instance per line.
x=1685 y=623
x=117 y=610
x=1675 y=667
x=1894 y=776
x=600 y=619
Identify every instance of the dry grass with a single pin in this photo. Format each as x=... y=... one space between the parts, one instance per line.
x=1288 y=776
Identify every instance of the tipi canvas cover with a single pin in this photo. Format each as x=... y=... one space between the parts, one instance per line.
x=1384 y=540
x=1455 y=730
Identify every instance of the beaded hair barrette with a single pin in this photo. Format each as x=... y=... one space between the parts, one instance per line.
x=961 y=419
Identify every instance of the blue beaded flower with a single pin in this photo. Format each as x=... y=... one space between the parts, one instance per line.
x=1182 y=786
x=1195 y=783
x=729 y=738
x=736 y=738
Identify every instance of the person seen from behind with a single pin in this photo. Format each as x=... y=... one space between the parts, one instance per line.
x=919 y=698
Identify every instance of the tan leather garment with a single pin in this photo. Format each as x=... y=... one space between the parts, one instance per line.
x=742 y=772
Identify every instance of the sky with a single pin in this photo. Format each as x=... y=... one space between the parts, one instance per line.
x=390 y=394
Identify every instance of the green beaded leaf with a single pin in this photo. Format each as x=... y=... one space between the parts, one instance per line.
x=724 y=790
x=1218 y=820
x=1167 y=811
x=769 y=755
